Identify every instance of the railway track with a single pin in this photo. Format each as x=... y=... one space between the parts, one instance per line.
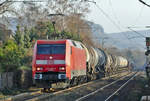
x=38 y=96
x=108 y=92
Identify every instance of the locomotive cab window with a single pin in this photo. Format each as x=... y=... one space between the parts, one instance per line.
x=51 y=49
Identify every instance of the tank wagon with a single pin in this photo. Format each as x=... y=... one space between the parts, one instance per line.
x=72 y=62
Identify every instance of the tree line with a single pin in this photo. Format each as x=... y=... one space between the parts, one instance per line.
x=38 y=21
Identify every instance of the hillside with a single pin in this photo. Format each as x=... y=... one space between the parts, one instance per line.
x=121 y=40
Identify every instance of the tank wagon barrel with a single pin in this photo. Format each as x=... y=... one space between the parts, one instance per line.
x=122 y=62
x=100 y=61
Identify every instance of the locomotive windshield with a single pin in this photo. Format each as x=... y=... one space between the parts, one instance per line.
x=51 y=49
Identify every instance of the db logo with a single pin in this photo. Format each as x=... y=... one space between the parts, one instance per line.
x=51 y=62
x=50 y=57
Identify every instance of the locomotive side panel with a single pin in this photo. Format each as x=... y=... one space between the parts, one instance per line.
x=78 y=59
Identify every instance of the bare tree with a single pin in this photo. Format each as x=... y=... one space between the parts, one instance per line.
x=5 y=6
x=70 y=8
x=73 y=19
x=74 y=10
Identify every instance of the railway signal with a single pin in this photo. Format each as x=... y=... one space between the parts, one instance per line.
x=148 y=46
x=148 y=57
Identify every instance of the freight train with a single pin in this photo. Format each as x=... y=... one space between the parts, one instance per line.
x=72 y=62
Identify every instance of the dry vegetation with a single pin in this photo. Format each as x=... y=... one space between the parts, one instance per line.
x=67 y=14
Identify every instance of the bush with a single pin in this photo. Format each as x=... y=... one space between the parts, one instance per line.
x=10 y=55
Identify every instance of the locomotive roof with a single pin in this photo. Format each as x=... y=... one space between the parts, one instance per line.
x=51 y=41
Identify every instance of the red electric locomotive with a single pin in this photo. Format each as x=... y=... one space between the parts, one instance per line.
x=57 y=61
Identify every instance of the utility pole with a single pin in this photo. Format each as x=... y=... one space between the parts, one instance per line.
x=54 y=34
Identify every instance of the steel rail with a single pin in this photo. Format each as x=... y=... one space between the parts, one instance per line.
x=100 y=89
x=108 y=98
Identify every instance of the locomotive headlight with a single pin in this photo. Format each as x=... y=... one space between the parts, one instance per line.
x=39 y=68
x=61 y=68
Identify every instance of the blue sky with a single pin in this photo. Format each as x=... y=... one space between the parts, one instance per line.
x=124 y=13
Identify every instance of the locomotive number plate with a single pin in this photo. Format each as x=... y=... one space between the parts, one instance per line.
x=51 y=61
x=51 y=69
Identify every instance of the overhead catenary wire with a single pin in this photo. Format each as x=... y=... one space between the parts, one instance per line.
x=118 y=21
x=107 y=16
x=114 y=23
x=135 y=20
x=138 y=27
x=110 y=3
x=143 y=2
x=136 y=32
x=113 y=11
x=133 y=26
x=38 y=0
x=27 y=0
x=139 y=16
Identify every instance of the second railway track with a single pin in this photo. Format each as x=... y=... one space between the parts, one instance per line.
x=108 y=92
